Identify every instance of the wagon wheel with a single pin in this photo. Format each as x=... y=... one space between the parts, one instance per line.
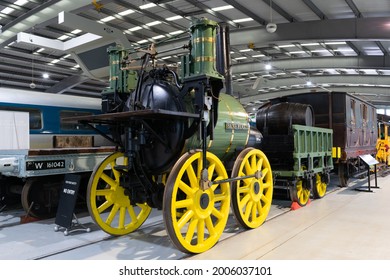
x=107 y=202
x=343 y=174
x=299 y=193
x=195 y=218
x=40 y=197
x=252 y=197
x=319 y=189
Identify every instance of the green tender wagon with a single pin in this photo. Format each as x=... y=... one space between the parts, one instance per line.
x=301 y=161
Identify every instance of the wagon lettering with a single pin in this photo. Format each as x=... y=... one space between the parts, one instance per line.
x=44 y=164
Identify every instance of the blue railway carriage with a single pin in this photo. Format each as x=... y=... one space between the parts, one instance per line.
x=34 y=171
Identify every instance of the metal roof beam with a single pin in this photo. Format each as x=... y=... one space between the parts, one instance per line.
x=354 y=8
x=315 y=9
x=280 y=11
x=246 y=11
x=211 y=12
x=322 y=30
x=324 y=62
x=67 y=84
x=135 y=8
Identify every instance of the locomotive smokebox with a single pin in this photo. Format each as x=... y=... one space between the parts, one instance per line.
x=278 y=118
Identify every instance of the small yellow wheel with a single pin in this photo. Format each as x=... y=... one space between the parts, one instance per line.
x=319 y=189
x=252 y=197
x=196 y=214
x=107 y=202
x=299 y=193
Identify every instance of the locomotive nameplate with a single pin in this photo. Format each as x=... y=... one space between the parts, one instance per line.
x=236 y=126
x=45 y=164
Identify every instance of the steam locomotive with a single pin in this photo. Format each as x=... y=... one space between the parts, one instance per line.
x=177 y=139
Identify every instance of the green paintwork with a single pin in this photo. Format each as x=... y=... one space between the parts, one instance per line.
x=231 y=130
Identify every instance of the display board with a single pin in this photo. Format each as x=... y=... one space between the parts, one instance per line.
x=67 y=201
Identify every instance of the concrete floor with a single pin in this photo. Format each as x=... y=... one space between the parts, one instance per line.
x=345 y=225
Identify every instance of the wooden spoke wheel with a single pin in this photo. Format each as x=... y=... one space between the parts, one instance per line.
x=319 y=189
x=108 y=204
x=299 y=193
x=195 y=218
x=40 y=197
x=252 y=197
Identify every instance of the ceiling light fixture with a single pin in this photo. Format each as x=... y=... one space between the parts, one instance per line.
x=271 y=27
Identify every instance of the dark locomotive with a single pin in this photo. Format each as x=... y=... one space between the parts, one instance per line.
x=177 y=139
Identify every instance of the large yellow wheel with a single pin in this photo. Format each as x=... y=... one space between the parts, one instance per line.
x=319 y=189
x=299 y=193
x=195 y=215
x=252 y=197
x=107 y=202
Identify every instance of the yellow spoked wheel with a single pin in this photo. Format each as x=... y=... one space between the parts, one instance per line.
x=300 y=193
x=319 y=189
x=195 y=218
x=107 y=202
x=252 y=197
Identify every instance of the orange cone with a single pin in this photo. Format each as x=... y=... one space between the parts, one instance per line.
x=295 y=205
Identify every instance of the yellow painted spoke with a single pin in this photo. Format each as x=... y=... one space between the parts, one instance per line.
x=220 y=197
x=185 y=218
x=112 y=214
x=217 y=213
x=266 y=186
x=122 y=217
x=185 y=203
x=210 y=226
x=108 y=180
x=264 y=172
x=259 y=207
x=191 y=230
x=215 y=186
x=104 y=206
x=116 y=173
x=260 y=164
x=192 y=176
x=133 y=215
x=186 y=189
x=253 y=162
x=200 y=233
x=244 y=189
x=210 y=170
x=244 y=201
x=265 y=199
x=104 y=192
x=248 y=168
x=246 y=181
x=254 y=211
x=248 y=210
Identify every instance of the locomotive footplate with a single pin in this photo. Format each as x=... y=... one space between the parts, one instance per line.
x=126 y=117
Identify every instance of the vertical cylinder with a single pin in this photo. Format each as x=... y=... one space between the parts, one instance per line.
x=223 y=56
x=114 y=56
x=121 y=80
x=203 y=51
